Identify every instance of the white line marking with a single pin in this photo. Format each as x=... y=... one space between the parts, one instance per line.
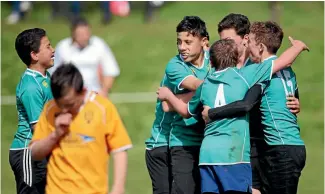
x=117 y=98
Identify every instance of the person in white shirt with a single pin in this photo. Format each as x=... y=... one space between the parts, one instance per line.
x=91 y=55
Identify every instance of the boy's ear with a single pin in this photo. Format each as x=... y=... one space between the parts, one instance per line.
x=204 y=41
x=34 y=56
x=262 y=47
x=245 y=40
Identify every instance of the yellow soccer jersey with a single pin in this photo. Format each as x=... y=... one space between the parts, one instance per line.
x=79 y=162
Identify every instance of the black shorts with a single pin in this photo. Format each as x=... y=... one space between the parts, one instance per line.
x=259 y=180
x=30 y=175
x=185 y=170
x=282 y=165
x=158 y=164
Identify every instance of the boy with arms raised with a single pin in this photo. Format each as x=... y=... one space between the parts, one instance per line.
x=32 y=92
x=224 y=166
x=237 y=27
x=176 y=141
x=282 y=144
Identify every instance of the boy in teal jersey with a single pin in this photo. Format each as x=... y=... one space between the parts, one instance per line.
x=173 y=149
x=225 y=166
x=284 y=147
x=279 y=124
x=32 y=92
x=237 y=27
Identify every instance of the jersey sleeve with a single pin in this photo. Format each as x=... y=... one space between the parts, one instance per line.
x=42 y=129
x=176 y=73
x=107 y=61
x=257 y=73
x=32 y=100
x=117 y=139
x=195 y=105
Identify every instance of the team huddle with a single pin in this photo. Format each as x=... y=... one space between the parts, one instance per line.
x=226 y=114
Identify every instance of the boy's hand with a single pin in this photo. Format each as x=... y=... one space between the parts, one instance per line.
x=163 y=93
x=293 y=104
x=62 y=124
x=298 y=44
x=205 y=114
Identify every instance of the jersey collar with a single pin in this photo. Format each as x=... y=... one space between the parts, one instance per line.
x=270 y=57
x=36 y=73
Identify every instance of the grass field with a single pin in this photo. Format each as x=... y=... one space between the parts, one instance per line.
x=142 y=51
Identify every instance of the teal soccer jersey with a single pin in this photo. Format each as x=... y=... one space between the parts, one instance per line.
x=279 y=124
x=161 y=126
x=185 y=132
x=226 y=141
x=32 y=92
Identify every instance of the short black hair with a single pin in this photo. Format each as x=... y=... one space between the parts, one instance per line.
x=65 y=77
x=27 y=41
x=193 y=25
x=79 y=21
x=238 y=22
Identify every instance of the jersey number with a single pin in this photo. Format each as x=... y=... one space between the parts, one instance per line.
x=220 y=98
x=287 y=83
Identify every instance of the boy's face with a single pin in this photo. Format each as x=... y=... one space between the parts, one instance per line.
x=255 y=50
x=71 y=102
x=190 y=47
x=231 y=34
x=45 y=55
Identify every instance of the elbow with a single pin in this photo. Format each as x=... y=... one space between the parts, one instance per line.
x=247 y=108
x=288 y=65
x=36 y=155
x=185 y=115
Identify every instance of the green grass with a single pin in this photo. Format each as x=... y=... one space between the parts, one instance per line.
x=143 y=50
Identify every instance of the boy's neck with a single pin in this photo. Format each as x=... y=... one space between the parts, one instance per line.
x=266 y=55
x=199 y=61
x=38 y=68
x=242 y=59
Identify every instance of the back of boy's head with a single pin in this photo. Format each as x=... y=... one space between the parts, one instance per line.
x=64 y=78
x=27 y=41
x=193 y=25
x=223 y=54
x=238 y=22
x=268 y=33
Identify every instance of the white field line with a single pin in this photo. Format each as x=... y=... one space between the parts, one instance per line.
x=117 y=98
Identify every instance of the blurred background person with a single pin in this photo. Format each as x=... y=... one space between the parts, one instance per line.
x=19 y=10
x=73 y=9
x=150 y=9
x=95 y=59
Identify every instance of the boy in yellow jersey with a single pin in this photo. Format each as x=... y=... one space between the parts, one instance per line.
x=78 y=130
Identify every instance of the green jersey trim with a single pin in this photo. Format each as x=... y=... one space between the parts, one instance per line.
x=160 y=124
x=241 y=77
x=180 y=83
x=273 y=119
